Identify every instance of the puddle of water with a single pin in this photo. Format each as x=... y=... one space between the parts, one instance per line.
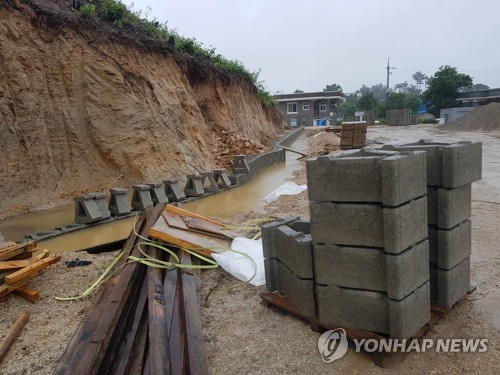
x=234 y=201
x=89 y=237
x=248 y=197
x=489 y=307
x=17 y=227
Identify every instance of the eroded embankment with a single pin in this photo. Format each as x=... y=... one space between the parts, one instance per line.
x=82 y=109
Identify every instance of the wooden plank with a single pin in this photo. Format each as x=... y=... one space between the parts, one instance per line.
x=18 y=249
x=7 y=288
x=125 y=359
x=7 y=265
x=202 y=225
x=27 y=293
x=43 y=255
x=31 y=269
x=197 y=360
x=159 y=348
x=182 y=212
x=175 y=320
x=295 y=151
x=13 y=332
x=86 y=350
x=201 y=243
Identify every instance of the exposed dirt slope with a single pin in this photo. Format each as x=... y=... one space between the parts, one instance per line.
x=84 y=109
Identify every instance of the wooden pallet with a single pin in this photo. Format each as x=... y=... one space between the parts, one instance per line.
x=280 y=301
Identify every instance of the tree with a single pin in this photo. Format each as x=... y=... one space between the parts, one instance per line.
x=419 y=79
x=298 y=92
x=476 y=87
x=367 y=102
x=444 y=88
x=333 y=87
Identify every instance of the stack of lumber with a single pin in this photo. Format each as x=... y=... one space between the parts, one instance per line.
x=353 y=136
x=18 y=267
x=144 y=320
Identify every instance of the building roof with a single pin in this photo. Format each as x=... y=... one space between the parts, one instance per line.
x=479 y=95
x=309 y=96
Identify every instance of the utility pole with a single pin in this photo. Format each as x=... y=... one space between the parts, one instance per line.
x=388 y=74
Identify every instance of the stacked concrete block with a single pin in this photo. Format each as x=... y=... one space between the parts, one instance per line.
x=194 y=186
x=451 y=168
x=370 y=249
x=141 y=197
x=173 y=190
x=288 y=262
x=157 y=191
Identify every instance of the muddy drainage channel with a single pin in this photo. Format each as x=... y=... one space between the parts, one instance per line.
x=243 y=198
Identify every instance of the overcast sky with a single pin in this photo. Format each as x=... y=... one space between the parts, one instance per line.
x=311 y=43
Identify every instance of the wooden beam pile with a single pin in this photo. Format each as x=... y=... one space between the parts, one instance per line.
x=18 y=267
x=144 y=320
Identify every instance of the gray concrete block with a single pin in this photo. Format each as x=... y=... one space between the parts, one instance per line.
x=173 y=190
x=44 y=235
x=68 y=228
x=371 y=269
x=409 y=315
x=449 y=286
x=157 y=191
x=454 y=245
x=194 y=186
x=373 y=311
x=118 y=202
x=432 y=232
x=100 y=200
x=299 y=292
x=141 y=197
x=240 y=164
x=403 y=178
x=86 y=209
x=404 y=225
x=303 y=226
x=294 y=249
x=268 y=231
x=453 y=206
x=238 y=179
x=373 y=176
x=462 y=164
x=351 y=308
x=208 y=182
x=221 y=178
x=407 y=271
x=432 y=204
x=350 y=267
x=347 y=224
x=449 y=165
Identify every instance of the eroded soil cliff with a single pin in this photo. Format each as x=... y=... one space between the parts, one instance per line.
x=84 y=107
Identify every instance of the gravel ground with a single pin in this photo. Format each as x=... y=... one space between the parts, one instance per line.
x=245 y=337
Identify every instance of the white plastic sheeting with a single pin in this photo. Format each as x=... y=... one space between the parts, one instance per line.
x=241 y=266
x=288 y=188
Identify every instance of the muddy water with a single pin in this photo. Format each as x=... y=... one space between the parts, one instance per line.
x=237 y=200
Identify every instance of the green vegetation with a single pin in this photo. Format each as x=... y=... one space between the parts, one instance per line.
x=87 y=10
x=117 y=12
x=444 y=88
